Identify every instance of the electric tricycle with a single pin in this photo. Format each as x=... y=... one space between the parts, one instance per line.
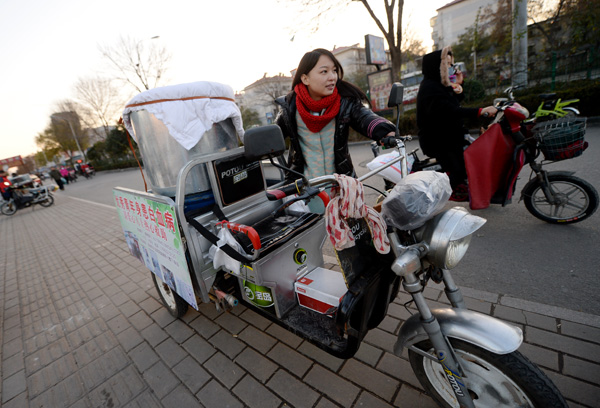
x=219 y=226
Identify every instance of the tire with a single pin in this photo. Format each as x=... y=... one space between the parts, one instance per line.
x=578 y=200
x=47 y=202
x=176 y=306
x=493 y=380
x=9 y=208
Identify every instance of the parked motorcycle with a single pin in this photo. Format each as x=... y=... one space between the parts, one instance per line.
x=23 y=198
x=510 y=142
x=455 y=369
x=237 y=242
x=550 y=108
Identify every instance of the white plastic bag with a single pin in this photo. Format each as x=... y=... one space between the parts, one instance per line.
x=220 y=258
x=298 y=206
x=416 y=199
x=394 y=172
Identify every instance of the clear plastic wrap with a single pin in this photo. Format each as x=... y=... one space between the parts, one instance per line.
x=417 y=198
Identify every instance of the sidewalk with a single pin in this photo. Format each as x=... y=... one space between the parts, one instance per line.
x=82 y=327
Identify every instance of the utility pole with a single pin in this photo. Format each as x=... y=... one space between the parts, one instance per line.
x=519 y=42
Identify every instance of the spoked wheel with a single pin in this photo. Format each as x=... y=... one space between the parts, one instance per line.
x=9 y=208
x=574 y=200
x=47 y=202
x=493 y=380
x=172 y=301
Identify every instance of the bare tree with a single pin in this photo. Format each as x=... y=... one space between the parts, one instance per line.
x=100 y=102
x=549 y=11
x=139 y=63
x=392 y=30
x=266 y=90
x=412 y=45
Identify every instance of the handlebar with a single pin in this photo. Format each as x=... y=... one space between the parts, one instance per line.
x=393 y=141
x=288 y=190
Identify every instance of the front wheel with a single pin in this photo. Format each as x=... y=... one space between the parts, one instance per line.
x=47 y=202
x=172 y=301
x=574 y=199
x=493 y=380
x=9 y=208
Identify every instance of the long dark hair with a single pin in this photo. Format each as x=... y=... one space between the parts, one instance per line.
x=308 y=62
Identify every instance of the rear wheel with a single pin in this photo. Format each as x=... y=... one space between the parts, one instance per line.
x=493 y=380
x=9 y=208
x=48 y=201
x=574 y=199
x=172 y=301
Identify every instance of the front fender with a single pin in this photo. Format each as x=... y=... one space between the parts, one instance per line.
x=476 y=328
x=571 y=109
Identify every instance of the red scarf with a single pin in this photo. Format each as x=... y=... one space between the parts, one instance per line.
x=306 y=104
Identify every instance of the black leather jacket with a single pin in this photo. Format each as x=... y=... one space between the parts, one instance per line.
x=352 y=114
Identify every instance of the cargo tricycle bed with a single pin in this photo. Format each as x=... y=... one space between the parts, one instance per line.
x=211 y=232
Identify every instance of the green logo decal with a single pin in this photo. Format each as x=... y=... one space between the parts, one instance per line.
x=259 y=295
x=300 y=256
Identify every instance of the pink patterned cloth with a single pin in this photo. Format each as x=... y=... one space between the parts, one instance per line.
x=349 y=202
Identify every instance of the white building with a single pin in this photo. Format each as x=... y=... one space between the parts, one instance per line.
x=454 y=19
x=260 y=96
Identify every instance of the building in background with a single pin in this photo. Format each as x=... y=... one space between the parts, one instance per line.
x=453 y=19
x=260 y=96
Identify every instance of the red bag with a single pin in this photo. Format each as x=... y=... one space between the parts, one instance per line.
x=491 y=166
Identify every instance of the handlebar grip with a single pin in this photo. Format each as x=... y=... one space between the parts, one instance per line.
x=389 y=141
x=324 y=197
x=290 y=189
x=249 y=231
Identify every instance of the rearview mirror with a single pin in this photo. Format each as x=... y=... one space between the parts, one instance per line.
x=396 y=95
x=263 y=142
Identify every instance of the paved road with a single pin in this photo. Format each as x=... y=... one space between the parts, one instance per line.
x=513 y=254
x=81 y=326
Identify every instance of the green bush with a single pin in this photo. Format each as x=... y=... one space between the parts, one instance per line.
x=473 y=90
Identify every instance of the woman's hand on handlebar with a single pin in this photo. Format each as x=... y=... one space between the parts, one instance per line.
x=389 y=141
x=488 y=111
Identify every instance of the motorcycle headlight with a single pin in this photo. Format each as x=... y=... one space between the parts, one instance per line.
x=448 y=236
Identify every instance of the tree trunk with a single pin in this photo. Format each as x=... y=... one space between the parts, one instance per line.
x=396 y=55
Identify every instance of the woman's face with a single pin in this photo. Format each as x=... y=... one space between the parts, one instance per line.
x=321 y=80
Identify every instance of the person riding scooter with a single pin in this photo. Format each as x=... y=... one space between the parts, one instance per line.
x=440 y=117
x=4 y=185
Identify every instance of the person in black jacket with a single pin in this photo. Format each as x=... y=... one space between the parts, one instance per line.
x=440 y=117
x=317 y=115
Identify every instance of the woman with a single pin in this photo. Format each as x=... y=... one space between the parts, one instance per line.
x=317 y=115
x=440 y=117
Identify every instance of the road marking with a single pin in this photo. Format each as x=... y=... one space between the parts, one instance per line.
x=92 y=202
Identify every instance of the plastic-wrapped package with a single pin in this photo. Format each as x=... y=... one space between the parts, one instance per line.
x=417 y=198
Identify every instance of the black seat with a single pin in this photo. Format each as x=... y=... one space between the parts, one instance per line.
x=548 y=96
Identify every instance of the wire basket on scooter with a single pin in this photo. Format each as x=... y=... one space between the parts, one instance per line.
x=561 y=139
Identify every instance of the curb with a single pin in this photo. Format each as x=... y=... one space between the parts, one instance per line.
x=516 y=303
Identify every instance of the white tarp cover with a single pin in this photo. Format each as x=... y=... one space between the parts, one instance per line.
x=187 y=110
